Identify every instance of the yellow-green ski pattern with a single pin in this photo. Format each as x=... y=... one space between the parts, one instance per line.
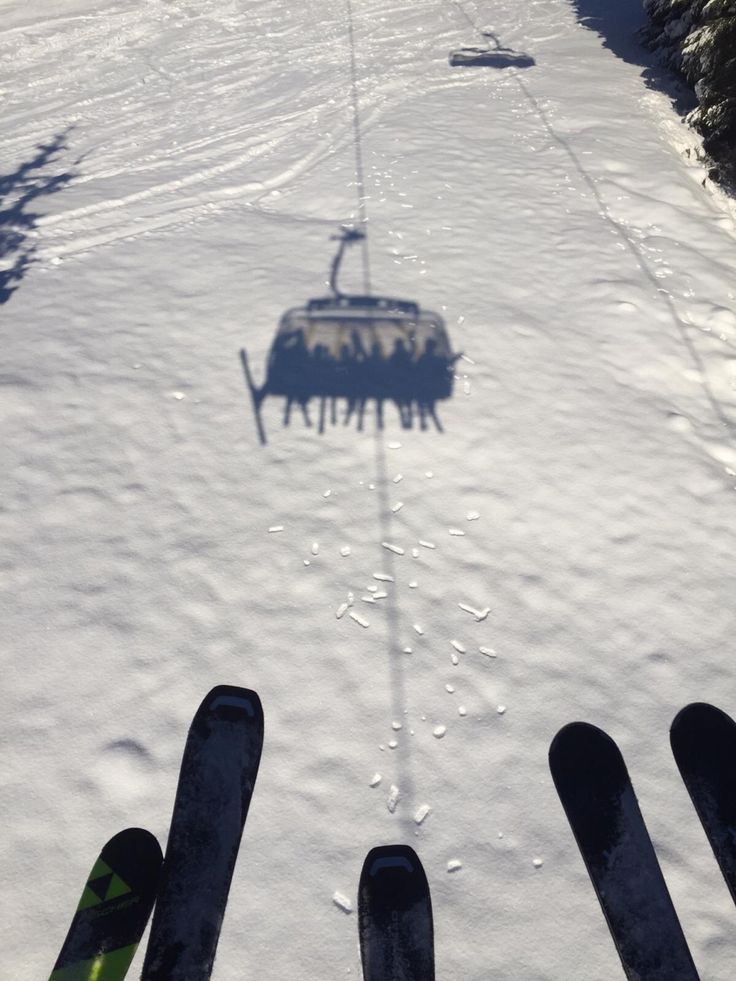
x=112 y=966
x=113 y=910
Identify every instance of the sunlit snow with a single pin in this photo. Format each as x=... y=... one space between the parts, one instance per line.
x=563 y=545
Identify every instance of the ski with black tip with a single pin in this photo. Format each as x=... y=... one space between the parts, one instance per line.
x=703 y=740
x=218 y=773
x=395 y=917
x=595 y=790
x=113 y=910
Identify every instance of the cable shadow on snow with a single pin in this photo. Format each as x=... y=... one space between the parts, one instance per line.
x=396 y=653
x=720 y=414
x=618 y=33
x=18 y=191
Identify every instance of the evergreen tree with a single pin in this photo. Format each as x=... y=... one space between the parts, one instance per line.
x=697 y=38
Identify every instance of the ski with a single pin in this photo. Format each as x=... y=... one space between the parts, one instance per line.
x=113 y=911
x=395 y=917
x=703 y=740
x=218 y=772
x=595 y=790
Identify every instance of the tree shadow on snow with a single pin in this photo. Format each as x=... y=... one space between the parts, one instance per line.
x=18 y=191
x=620 y=25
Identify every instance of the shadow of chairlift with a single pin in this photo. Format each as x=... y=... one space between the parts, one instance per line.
x=490 y=57
x=348 y=350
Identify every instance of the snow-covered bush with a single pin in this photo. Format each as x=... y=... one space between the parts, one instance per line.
x=698 y=39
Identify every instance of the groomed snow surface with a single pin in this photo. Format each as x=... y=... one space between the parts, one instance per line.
x=587 y=457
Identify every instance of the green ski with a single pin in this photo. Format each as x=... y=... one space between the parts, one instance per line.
x=113 y=911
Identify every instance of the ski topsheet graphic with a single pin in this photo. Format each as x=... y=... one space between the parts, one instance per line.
x=113 y=911
x=593 y=784
x=703 y=741
x=395 y=917
x=218 y=772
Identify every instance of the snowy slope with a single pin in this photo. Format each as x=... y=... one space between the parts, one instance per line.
x=587 y=275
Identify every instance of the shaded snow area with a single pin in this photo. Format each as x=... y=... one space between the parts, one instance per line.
x=561 y=549
x=697 y=39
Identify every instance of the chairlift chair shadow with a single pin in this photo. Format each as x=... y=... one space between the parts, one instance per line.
x=490 y=57
x=356 y=349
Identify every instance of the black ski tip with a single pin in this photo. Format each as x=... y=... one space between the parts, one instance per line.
x=394 y=859
x=233 y=703
x=115 y=904
x=699 y=728
x=392 y=878
x=591 y=779
x=703 y=740
x=581 y=750
x=141 y=839
x=236 y=707
x=139 y=852
x=395 y=916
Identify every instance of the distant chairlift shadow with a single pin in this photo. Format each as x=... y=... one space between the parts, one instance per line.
x=354 y=349
x=490 y=57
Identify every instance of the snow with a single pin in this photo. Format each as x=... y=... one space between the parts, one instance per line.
x=152 y=548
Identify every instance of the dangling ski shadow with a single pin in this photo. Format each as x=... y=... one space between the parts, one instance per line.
x=495 y=56
x=348 y=354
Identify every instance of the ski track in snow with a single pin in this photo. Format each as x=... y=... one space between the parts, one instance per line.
x=173 y=68
x=564 y=549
